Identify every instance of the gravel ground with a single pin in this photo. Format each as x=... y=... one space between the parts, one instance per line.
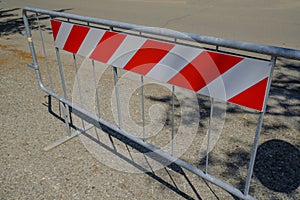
x=70 y=171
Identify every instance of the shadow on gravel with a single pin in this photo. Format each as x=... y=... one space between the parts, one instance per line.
x=12 y=21
x=286 y=86
x=235 y=160
x=154 y=156
x=280 y=174
x=277 y=166
x=114 y=135
x=8 y=12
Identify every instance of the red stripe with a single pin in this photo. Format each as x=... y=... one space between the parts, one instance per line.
x=224 y=61
x=196 y=74
x=55 y=27
x=148 y=56
x=107 y=46
x=252 y=97
x=206 y=67
x=76 y=38
x=188 y=78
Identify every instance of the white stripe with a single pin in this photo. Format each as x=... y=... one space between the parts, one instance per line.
x=215 y=89
x=90 y=42
x=63 y=34
x=173 y=62
x=126 y=51
x=236 y=80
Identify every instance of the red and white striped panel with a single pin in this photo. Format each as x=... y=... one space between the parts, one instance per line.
x=228 y=77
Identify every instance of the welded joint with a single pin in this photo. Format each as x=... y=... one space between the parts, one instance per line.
x=33 y=66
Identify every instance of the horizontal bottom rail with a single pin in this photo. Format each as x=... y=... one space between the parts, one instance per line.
x=151 y=150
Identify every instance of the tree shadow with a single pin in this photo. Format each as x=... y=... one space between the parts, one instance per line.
x=8 y=12
x=285 y=90
x=12 y=21
x=277 y=166
x=285 y=85
x=235 y=160
x=286 y=76
x=203 y=105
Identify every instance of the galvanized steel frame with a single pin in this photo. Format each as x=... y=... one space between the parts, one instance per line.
x=111 y=129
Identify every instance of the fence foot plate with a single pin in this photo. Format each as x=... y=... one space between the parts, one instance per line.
x=67 y=138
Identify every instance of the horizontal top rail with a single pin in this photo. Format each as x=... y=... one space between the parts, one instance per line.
x=245 y=46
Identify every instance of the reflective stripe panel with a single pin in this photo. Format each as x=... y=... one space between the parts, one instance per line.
x=231 y=78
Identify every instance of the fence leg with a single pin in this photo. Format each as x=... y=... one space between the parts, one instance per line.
x=96 y=89
x=258 y=130
x=208 y=134
x=173 y=107
x=45 y=53
x=67 y=138
x=117 y=96
x=65 y=115
x=143 y=107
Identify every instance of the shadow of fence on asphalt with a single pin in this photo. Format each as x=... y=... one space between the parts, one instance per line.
x=116 y=136
x=159 y=159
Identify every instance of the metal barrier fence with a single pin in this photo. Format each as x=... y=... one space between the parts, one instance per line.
x=166 y=56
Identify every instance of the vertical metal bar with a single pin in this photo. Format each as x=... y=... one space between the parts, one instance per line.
x=95 y=84
x=64 y=110
x=173 y=94
x=65 y=116
x=44 y=52
x=208 y=134
x=61 y=73
x=78 y=81
x=117 y=96
x=78 y=85
x=96 y=88
x=64 y=90
x=172 y=118
x=209 y=129
x=97 y=94
x=143 y=108
x=143 y=103
x=258 y=129
x=29 y=40
x=117 y=91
